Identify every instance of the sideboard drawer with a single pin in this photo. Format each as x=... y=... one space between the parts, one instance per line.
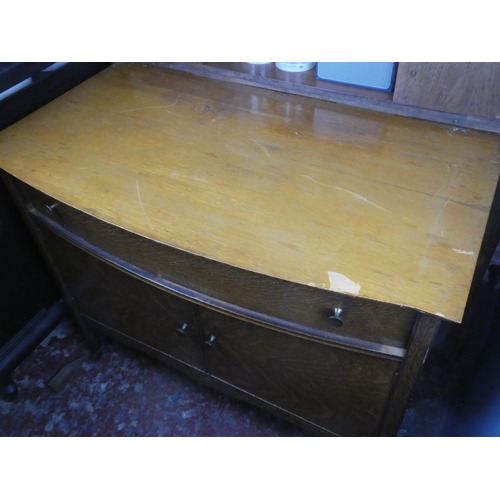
x=271 y=298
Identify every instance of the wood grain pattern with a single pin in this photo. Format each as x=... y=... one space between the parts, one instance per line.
x=462 y=88
x=290 y=188
x=383 y=324
x=343 y=392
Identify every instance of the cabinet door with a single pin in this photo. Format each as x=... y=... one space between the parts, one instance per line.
x=462 y=88
x=342 y=391
x=126 y=304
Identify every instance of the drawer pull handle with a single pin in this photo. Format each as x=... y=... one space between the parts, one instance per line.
x=210 y=343
x=182 y=330
x=52 y=208
x=336 y=320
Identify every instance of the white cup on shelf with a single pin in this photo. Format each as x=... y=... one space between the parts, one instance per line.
x=295 y=67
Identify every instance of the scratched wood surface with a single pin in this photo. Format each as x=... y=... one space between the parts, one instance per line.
x=384 y=207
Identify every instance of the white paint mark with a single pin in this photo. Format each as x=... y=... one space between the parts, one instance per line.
x=440 y=315
x=356 y=195
x=457 y=129
x=464 y=252
x=341 y=283
x=318 y=285
x=142 y=204
x=217 y=118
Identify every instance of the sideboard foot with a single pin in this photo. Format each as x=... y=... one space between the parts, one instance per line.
x=8 y=389
x=493 y=274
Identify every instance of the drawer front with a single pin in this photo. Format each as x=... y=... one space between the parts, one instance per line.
x=344 y=392
x=302 y=305
x=128 y=305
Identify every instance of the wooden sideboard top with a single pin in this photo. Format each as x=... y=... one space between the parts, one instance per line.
x=383 y=207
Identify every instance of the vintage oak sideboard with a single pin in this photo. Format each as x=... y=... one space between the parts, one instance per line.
x=291 y=252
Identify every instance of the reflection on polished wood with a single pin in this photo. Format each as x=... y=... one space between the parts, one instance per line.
x=306 y=84
x=384 y=207
x=305 y=78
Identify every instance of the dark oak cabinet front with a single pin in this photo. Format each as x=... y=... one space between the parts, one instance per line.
x=317 y=382
x=332 y=387
x=127 y=305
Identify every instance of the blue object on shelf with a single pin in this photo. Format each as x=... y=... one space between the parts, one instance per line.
x=374 y=75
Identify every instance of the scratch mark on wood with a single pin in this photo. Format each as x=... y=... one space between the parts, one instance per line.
x=263 y=148
x=152 y=107
x=355 y=195
x=142 y=204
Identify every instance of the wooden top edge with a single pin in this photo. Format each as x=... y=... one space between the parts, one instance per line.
x=290 y=187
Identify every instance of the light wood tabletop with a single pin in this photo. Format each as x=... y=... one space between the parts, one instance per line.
x=388 y=208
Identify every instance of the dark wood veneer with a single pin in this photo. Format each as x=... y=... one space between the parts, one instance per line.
x=345 y=392
x=130 y=306
x=366 y=320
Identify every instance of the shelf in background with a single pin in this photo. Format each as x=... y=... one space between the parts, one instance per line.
x=306 y=84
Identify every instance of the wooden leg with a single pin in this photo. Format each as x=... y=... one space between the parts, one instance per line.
x=493 y=274
x=8 y=389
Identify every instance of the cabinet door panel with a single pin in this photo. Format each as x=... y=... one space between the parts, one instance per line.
x=127 y=304
x=461 y=88
x=343 y=391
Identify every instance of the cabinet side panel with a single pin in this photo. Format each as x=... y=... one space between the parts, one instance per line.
x=424 y=331
x=462 y=88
